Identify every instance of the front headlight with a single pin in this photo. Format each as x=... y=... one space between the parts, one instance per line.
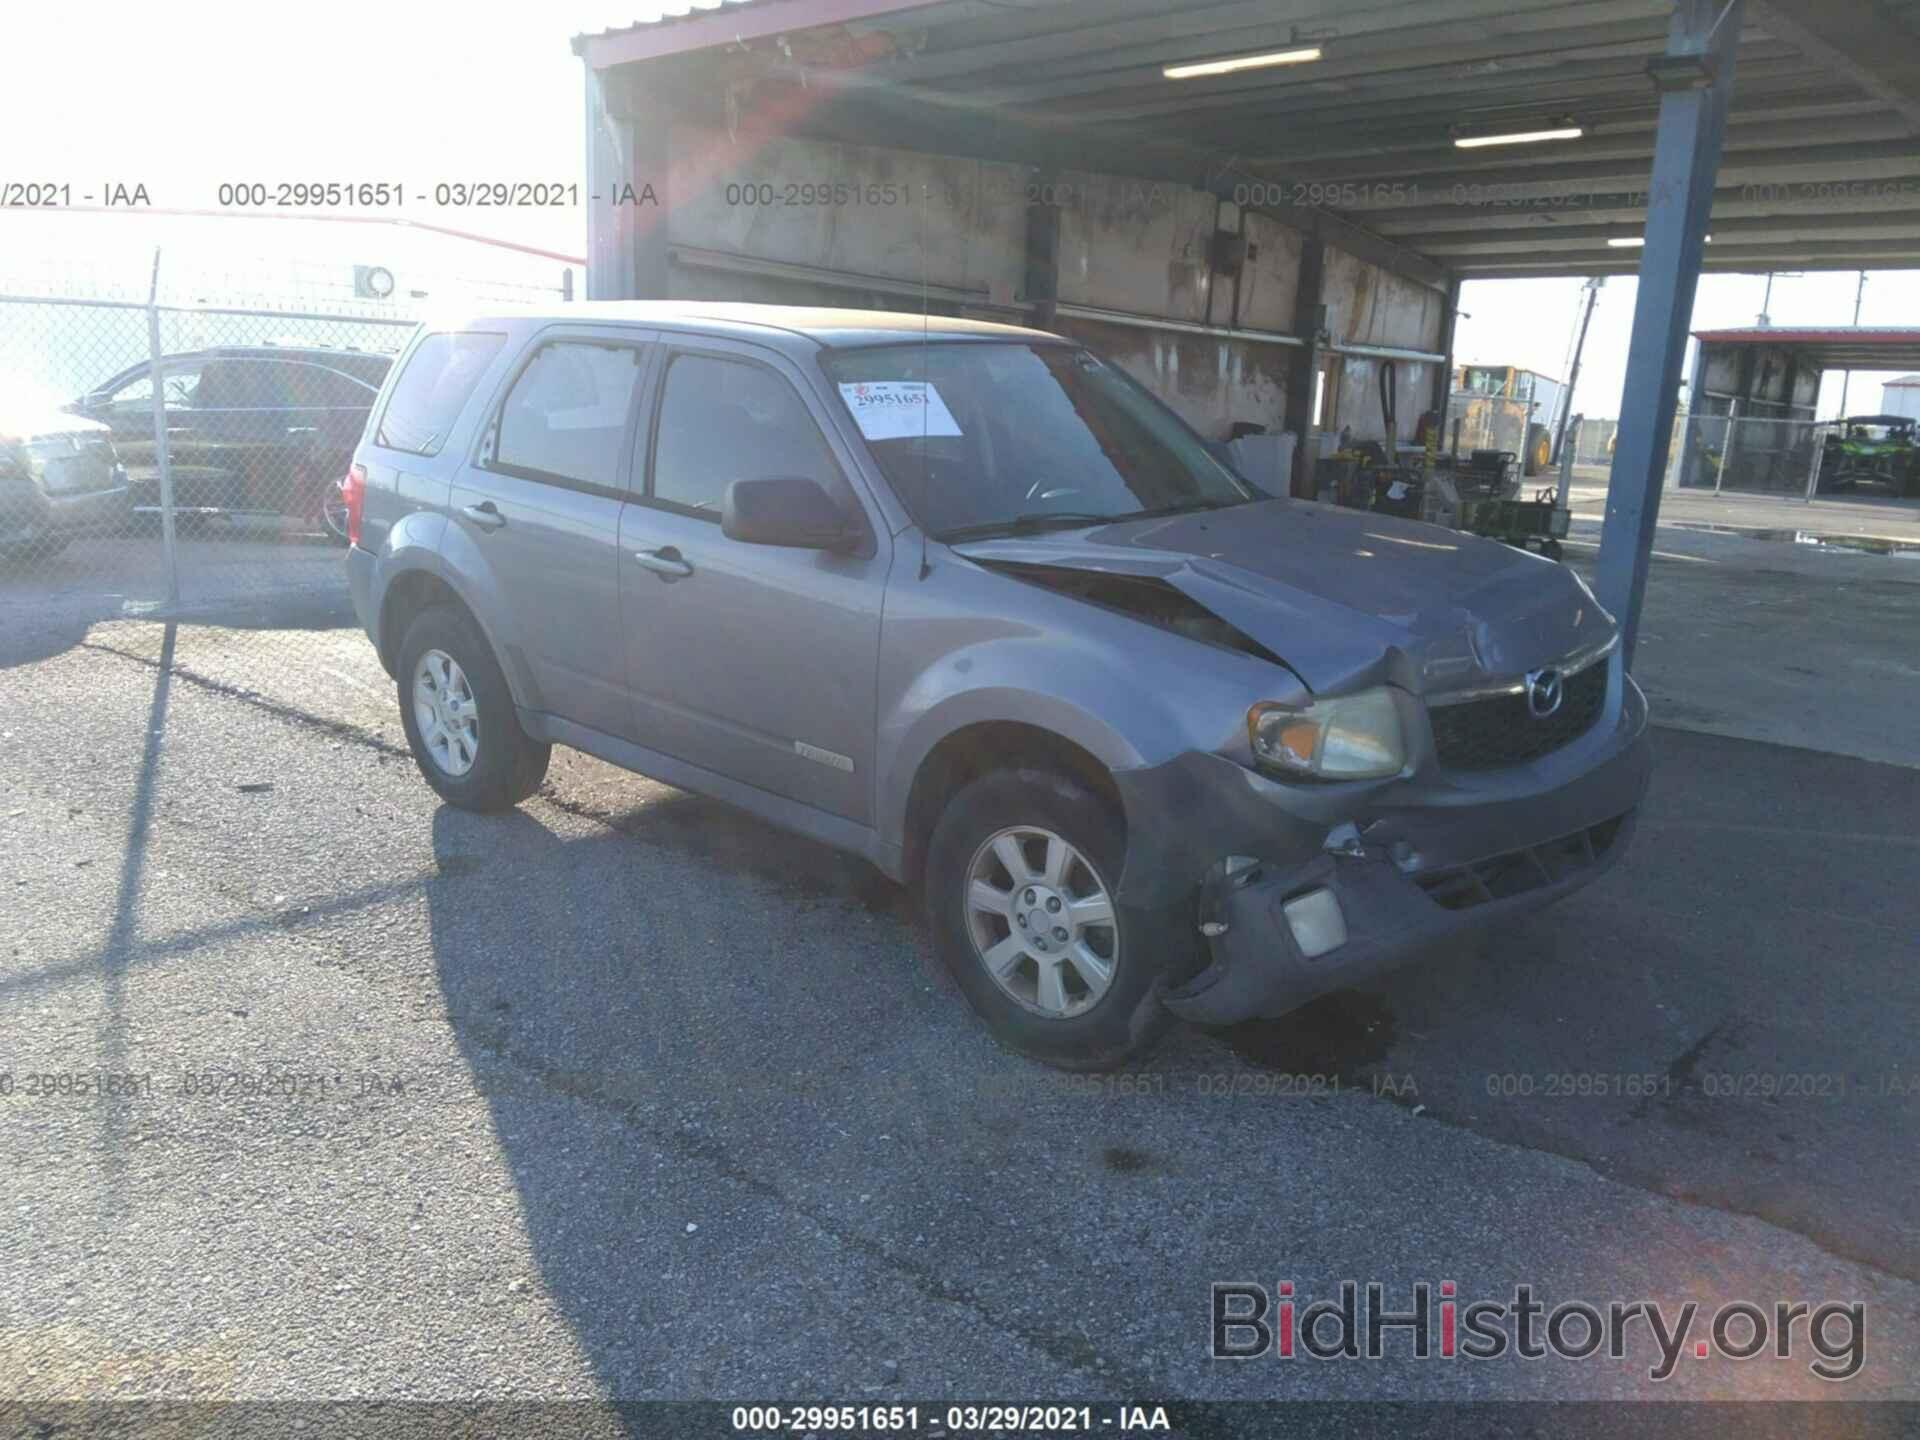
x=1351 y=737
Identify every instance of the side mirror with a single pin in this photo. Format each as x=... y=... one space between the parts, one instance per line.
x=786 y=510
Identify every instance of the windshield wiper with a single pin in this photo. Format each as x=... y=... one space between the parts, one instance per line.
x=1183 y=507
x=1025 y=525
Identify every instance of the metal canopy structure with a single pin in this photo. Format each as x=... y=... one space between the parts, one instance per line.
x=1366 y=128
x=1831 y=347
x=1820 y=165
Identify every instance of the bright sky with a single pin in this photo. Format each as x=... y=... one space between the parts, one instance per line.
x=1531 y=324
x=428 y=91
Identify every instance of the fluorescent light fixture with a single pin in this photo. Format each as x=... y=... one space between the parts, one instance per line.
x=1241 y=62
x=1519 y=137
x=1634 y=242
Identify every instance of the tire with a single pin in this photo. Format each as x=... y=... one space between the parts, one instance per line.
x=1142 y=946
x=31 y=552
x=504 y=766
x=1539 y=450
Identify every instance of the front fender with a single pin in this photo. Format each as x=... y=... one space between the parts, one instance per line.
x=1027 y=679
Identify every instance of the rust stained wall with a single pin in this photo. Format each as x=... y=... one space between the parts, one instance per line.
x=1270 y=279
x=1766 y=377
x=863 y=208
x=1369 y=306
x=1138 y=245
x=1210 y=382
x=1358 y=397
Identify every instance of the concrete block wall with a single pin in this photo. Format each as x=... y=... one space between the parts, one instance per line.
x=870 y=225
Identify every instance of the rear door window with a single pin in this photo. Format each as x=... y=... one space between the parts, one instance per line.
x=566 y=416
x=234 y=383
x=434 y=388
x=321 y=387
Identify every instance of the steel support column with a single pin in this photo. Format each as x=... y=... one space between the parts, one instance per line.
x=610 y=227
x=1695 y=77
x=1696 y=399
x=1309 y=324
x=1443 y=382
x=1040 y=283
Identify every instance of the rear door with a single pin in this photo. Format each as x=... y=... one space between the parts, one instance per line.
x=425 y=430
x=753 y=661
x=326 y=413
x=128 y=410
x=230 y=452
x=536 y=517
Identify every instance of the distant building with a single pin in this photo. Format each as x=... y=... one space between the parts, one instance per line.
x=1901 y=397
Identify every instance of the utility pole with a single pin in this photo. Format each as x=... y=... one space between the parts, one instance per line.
x=1766 y=301
x=1846 y=376
x=1573 y=374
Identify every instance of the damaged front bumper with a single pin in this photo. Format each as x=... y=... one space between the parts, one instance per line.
x=1408 y=864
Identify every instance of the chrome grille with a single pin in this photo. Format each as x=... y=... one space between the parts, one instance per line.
x=1487 y=734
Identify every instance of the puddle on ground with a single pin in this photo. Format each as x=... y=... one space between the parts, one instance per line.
x=1856 y=544
x=1344 y=1034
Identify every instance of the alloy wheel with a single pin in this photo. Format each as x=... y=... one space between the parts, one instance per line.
x=446 y=713
x=1042 y=921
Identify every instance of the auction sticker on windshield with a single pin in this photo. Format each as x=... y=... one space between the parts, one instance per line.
x=898 y=409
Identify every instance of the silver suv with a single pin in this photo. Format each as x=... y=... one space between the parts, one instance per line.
x=966 y=600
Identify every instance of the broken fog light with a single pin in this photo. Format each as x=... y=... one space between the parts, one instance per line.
x=1350 y=737
x=1317 y=922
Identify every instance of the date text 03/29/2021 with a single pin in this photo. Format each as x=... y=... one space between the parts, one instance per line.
x=965 y=1419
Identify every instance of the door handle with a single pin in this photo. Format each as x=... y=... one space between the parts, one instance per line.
x=484 y=515
x=664 y=562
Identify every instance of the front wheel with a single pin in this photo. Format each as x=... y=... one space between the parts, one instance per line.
x=459 y=717
x=1020 y=893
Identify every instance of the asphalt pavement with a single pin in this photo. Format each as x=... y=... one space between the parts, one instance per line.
x=627 y=1095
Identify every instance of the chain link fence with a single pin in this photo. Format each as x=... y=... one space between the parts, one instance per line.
x=1592 y=440
x=169 y=485
x=1754 y=455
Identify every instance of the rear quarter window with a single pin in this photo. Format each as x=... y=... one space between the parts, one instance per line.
x=433 y=388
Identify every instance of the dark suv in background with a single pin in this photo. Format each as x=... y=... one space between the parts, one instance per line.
x=264 y=429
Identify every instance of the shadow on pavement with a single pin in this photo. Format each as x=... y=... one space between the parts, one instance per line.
x=726 y=1033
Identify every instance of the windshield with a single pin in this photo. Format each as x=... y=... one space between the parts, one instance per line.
x=980 y=437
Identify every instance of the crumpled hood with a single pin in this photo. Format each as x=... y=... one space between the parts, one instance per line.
x=1345 y=597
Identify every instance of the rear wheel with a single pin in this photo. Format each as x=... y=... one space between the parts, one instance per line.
x=1020 y=893
x=459 y=717
x=1539 y=450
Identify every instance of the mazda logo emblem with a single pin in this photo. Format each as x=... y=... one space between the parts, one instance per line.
x=1545 y=690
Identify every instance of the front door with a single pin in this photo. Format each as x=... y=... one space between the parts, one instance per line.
x=753 y=661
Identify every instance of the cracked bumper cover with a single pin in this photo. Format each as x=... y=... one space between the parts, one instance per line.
x=1545 y=830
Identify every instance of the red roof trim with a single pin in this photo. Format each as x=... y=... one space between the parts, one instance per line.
x=728 y=24
x=1781 y=335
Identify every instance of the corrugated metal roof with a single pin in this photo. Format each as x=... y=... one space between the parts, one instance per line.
x=699 y=27
x=670 y=17
x=1820 y=162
